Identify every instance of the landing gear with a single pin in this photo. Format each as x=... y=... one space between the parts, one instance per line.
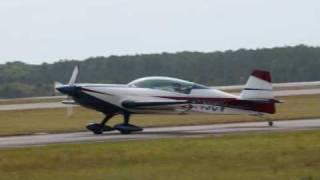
x=270 y=122
x=124 y=128
x=99 y=128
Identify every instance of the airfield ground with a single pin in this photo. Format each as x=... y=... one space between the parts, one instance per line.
x=55 y=120
x=290 y=155
x=259 y=155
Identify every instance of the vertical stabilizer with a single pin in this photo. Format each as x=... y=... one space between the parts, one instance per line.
x=258 y=86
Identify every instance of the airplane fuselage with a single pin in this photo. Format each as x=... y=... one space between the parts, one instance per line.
x=109 y=97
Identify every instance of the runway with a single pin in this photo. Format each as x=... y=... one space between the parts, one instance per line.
x=157 y=133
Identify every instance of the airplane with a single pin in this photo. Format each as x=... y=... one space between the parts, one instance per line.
x=167 y=95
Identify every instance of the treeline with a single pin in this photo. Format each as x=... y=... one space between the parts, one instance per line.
x=287 y=64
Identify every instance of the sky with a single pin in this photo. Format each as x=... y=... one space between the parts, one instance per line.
x=37 y=31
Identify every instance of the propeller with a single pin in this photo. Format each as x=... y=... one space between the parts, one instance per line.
x=72 y=80
x=74 y=76
x=69 y=100
x=70 y=111
x=56 y=85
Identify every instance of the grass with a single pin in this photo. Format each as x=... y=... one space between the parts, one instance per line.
x=293 y=155
x=55 y=120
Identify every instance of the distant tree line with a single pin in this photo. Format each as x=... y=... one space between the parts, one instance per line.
x=287 y=64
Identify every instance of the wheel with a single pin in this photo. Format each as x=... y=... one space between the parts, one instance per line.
x=270 y=123
x=127 y=128
x=95 y=128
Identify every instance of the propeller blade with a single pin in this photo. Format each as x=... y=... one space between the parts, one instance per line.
x=69 y=111
x=69 y=100
x=74 y=75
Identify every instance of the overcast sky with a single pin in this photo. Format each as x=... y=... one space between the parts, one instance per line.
x=36 y=31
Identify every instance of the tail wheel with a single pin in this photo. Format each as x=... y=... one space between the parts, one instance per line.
x=270 y=123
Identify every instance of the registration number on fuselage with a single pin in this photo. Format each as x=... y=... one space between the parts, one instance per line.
x=207 y=108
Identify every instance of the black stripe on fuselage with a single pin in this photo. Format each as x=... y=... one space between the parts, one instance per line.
x=132 y=104
x=255 y=89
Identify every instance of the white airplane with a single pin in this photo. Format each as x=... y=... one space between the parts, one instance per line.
x=165 y=95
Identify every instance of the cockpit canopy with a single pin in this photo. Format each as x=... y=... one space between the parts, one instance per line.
x=166 y=84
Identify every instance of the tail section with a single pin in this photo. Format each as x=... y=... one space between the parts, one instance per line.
x=258 y=86
x=258 y=92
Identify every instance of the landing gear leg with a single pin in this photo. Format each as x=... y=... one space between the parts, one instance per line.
x=106 y=119
x=125 y=127
x=126 y=118
x=101 y=127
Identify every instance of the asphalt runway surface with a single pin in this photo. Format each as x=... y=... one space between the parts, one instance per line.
x=157 y=133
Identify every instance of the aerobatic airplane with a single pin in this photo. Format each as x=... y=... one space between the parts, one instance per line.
x=165 y=95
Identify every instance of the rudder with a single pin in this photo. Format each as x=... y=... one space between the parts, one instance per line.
x=258 y=86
